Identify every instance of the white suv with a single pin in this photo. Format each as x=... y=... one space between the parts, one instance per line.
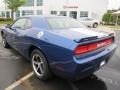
x=89 y=22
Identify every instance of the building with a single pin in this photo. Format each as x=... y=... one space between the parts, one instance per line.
x=70 y=8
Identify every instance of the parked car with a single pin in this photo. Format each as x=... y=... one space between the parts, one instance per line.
x=89 y=22
x=59 y=46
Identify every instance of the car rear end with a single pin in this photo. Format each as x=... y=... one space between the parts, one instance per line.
x=88 y=57
x=85 y=51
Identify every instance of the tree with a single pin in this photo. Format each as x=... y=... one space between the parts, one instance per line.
x=13 y=5
x=108 y=17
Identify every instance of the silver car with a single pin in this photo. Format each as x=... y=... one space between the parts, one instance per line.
x=89 y=22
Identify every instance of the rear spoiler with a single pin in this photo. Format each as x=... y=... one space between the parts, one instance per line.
x=86 y=39
x=92 y=38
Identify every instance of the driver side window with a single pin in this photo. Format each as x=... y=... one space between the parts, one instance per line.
x=19 y=24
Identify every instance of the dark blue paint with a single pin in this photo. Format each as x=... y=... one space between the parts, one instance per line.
x=59 y=46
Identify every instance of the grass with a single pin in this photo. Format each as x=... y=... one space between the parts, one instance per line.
x=112 y=27
x=115 y=27
x=6 y=22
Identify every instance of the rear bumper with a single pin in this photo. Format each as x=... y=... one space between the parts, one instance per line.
x=77 y=69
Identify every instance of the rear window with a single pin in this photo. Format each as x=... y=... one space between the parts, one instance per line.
x=63 y=23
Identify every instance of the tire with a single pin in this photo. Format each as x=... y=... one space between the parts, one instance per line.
x=40 y=65
x=4 y=42
x=95 y=25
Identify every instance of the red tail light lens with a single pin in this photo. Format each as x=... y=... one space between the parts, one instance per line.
x=81 y=49
x=92 y=46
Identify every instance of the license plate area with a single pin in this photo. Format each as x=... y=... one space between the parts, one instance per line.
x=102 y=63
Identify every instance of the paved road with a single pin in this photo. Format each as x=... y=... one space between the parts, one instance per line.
x=13 y=67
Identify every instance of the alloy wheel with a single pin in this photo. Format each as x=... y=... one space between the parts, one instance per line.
x=38 y=64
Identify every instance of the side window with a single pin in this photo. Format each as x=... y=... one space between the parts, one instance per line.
x=20 y=23
x=28 y=24
x=89 y=19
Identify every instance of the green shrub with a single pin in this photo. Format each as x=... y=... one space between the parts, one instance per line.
x=6 y=19
x=107 y=17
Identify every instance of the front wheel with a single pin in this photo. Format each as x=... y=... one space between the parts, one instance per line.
x=40 y=65
x=4 y=42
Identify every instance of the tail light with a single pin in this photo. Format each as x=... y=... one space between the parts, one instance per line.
x=92 y=46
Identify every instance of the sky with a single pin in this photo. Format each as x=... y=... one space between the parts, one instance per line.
x=114 y=4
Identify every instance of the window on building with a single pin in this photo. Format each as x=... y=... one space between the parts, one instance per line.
x=39 y=12
x=27 y=12
x=54 y=12
x=84 y=14
x=29 y=3
x=17 y=14
x=39 y=2
x=3 y=14
x=7 y=14
x=63 y=13
x=73 y=14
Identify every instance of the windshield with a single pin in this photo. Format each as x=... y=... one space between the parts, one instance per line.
x=63 y=23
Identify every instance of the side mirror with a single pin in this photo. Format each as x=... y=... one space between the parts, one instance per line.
x=8 y=26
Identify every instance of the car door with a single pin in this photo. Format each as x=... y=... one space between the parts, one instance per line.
x=88 y=21
x=21 y=41
x=16 y=28
x=9 y=34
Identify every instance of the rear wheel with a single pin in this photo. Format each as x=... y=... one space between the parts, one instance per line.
x=4 y=42
x=40 y=65
x=95 y=25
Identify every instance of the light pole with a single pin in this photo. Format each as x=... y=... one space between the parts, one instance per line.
x=116 y=20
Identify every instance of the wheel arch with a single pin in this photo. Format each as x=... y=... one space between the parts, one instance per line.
x=2 y=33
x=49 y=70
x=33 y=47
x=95 y=23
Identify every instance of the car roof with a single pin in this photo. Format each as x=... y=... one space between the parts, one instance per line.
x=36 y=19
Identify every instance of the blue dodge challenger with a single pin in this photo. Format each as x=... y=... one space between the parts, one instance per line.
x=59 y=45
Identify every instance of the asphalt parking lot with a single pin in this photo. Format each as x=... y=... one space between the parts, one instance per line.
x=16 y=72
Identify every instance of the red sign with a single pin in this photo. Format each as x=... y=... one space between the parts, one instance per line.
x=75 y=6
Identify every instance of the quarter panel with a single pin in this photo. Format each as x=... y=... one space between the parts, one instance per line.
x=55 y=47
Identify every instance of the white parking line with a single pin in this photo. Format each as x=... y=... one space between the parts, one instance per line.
x=11 y=87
